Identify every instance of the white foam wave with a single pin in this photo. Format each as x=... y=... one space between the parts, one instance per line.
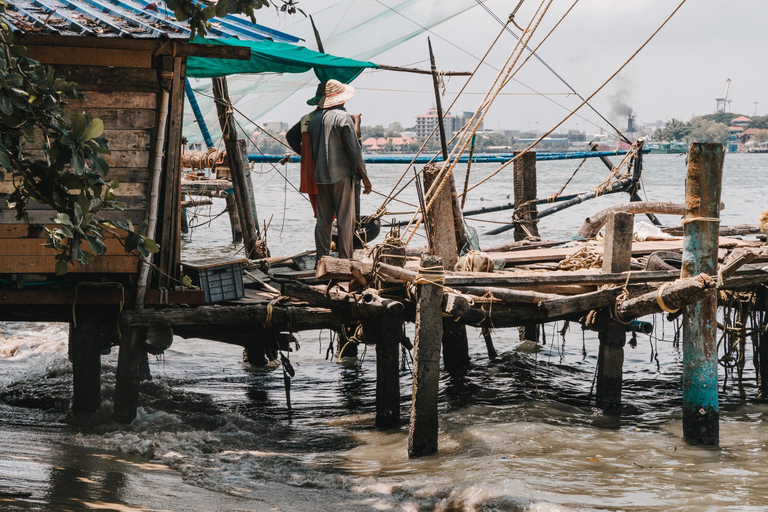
x=27 y=349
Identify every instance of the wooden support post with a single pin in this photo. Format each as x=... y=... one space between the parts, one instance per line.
x=128 y=374
x=85 y=354
x=440 y=220
x=455 y=345
x=700 y=245
x=762 y=304
x=422 y=433
x=249 y=181
x=617 y=256
x=492 y=355
x=525 y=191
x=443 y=243
x=386 y=330
x=169 y=222
x=234 y=219
x=236 y=167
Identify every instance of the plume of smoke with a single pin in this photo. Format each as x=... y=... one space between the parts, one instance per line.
x=619 y=101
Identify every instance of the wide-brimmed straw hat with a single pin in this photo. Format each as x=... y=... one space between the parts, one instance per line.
x=336 y=93
x=319 y=93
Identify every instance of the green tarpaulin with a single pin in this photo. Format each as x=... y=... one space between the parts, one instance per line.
x=271 y=57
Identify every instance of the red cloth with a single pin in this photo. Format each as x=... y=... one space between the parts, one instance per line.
x=308 y=184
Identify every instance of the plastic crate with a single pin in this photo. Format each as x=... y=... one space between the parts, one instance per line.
x=220 y=280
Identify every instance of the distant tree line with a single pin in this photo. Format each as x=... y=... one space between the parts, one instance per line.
x=708 y=128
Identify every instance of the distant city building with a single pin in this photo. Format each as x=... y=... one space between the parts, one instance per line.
x=742 y=121
x=275 y=127
x=426 y=123
x=465 y=117
x=390 y=144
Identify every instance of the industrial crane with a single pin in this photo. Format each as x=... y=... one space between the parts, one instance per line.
x=722 y=103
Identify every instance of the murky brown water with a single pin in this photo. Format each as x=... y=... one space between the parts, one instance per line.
x=516 y=434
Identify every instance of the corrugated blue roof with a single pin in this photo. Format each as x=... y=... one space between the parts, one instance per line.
x=123 y=19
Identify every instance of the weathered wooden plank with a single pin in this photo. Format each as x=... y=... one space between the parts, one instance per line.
x=638 y=249
x=131 y=158
x=127 y=174
x=114 y=99
x=300 y=318
x=90 y=56
x=110 y=79
x=119 y=140
x=131 y=203
x=440 y=219
x=341 y=269
x=47 y=265
x=47 y=216
x=36 y=247
x=169 y=233
x=125 y=189
x=125 y=119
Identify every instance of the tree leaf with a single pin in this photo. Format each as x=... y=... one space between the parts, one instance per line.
x=61 y=267
x=151 y=246
x=95 y=128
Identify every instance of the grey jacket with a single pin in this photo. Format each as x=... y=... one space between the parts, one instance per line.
x=335 y=148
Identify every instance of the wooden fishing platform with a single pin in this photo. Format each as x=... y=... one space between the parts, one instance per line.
x=137 y=85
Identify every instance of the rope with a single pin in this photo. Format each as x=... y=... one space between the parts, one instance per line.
x=270 y=306
x=434 y=129
x=624 y=295
x=584 y=258
x=430 y=275
x=660 y=299
x=551 y=199
x=585 y=101
x=487 y=101
x=467 y=262
x=702 y=219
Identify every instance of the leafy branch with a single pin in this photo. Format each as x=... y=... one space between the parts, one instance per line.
x=198 y=15
x=54 y=159
x=57 y=160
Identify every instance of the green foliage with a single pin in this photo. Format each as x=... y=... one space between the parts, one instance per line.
x=760 y=137
x=373 y=131
x=674 y=130
x=197 y=15
x=698 y=129
x=760 y=123
x=707 y=130
x=67 y=174
x=722 y=117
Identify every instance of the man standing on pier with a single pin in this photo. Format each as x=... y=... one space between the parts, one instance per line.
x=338 y=160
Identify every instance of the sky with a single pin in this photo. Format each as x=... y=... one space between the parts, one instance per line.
x=677 y=75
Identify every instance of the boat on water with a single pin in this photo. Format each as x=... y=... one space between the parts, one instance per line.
x=673 y=147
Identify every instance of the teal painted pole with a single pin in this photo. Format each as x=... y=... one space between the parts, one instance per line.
x=198 y=114
x=701 y=223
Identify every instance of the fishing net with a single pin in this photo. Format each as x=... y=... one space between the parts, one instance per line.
x=350 y=28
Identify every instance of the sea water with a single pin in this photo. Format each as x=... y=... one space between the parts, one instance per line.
x=520 y=433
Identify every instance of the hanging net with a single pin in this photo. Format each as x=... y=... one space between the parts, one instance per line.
x=351 y=28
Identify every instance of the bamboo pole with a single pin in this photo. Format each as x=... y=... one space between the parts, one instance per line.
x=702 y=198
x=245 y=212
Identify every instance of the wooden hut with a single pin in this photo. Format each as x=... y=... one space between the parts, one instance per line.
x=131 y=58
